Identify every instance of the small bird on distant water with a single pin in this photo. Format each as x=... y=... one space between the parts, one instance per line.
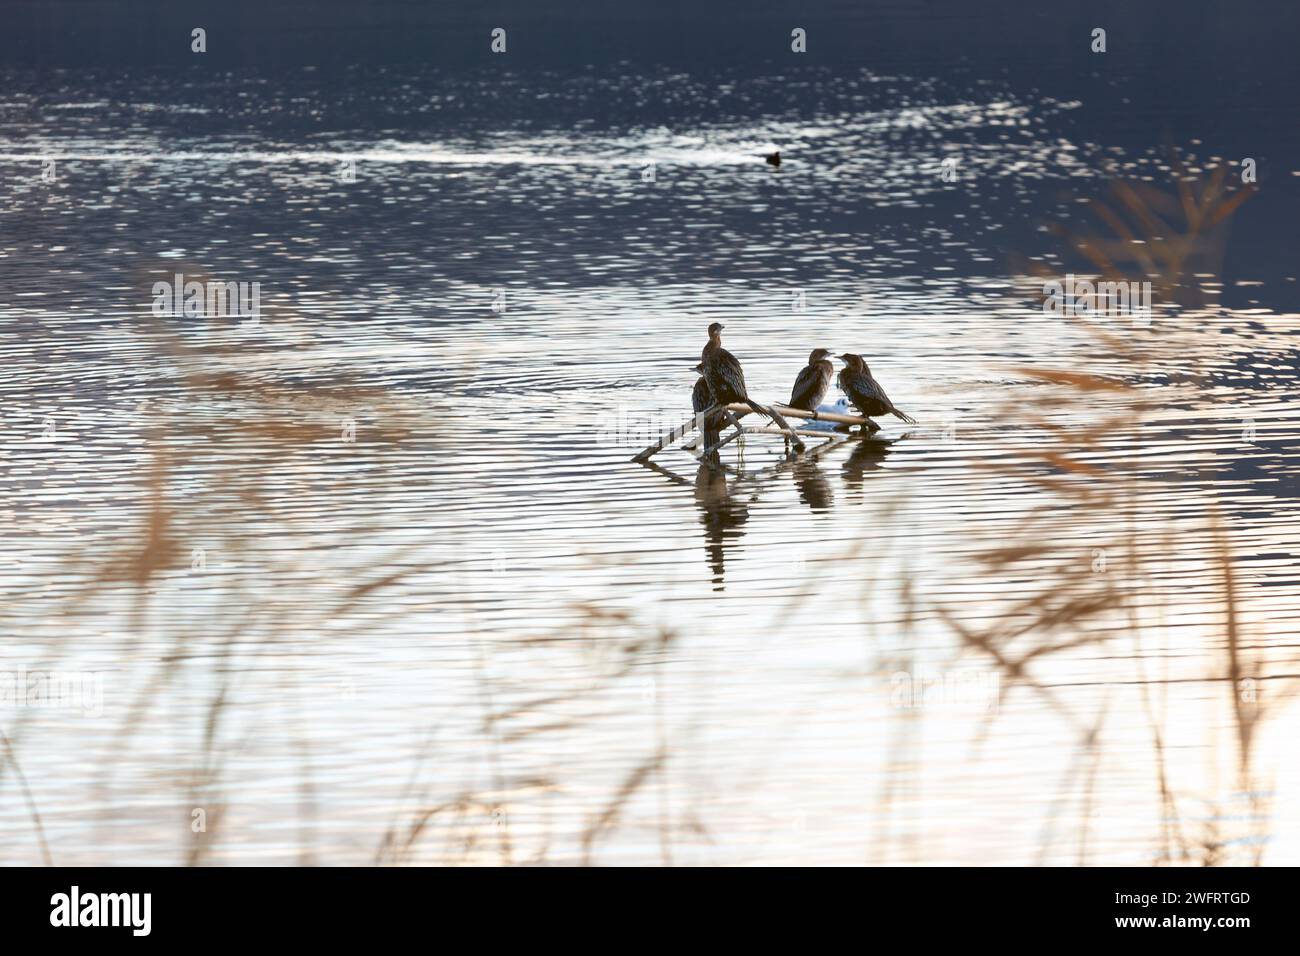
x=773 y=159
x=865 y=392
x=723 y=373
x=813 y=381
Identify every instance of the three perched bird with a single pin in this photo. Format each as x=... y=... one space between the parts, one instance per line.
x=722 y=381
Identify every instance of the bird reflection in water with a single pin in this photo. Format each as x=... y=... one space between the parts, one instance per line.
x=722 y=514
x=814 y=490
x=868 y=456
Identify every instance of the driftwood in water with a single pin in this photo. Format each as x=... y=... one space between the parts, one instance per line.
x=836 y=417
x=753 y=430
x=785 y=426
x=819 y=416
x=777 y=412
x=676 y=434
x=833 y=440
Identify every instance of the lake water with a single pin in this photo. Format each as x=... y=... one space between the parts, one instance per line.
x=373 y=578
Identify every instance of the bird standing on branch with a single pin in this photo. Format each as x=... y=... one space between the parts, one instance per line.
x=812 y=382
x=865 y=392
x=723 y=373
x=702 y=401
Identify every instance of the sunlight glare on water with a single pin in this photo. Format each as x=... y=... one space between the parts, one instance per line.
x=466 y=632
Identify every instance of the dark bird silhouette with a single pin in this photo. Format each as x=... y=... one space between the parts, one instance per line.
x=814 y=490
x=702 y=400
x=813 y=381
x=865 y=392
x=701 y=396
x=773 y=159
x=723 y=373
x=868 y=456
x=723 y=516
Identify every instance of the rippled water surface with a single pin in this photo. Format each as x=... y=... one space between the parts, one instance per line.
x=374 y=578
